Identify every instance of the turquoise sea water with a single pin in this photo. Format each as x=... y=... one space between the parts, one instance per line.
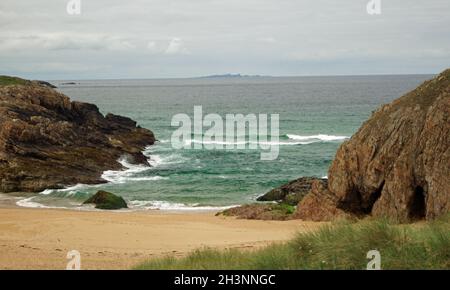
x=316 y=114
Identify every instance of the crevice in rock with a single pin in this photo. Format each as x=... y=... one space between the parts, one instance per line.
x=367 y=208
x=351 y=203
x=356 y=204
x=417 y=208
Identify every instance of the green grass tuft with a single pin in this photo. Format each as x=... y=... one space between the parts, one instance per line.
x=7 y=81
x=342 y=245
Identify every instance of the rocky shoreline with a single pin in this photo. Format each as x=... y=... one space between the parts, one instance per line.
x=48 y=141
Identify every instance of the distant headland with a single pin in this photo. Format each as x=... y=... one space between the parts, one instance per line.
x=230 y=75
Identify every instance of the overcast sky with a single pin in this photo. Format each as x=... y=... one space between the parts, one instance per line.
x=183 y=38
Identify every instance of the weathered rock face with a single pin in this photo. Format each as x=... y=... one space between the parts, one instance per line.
x=47 y=141
x=397 y=164
x=320 y=204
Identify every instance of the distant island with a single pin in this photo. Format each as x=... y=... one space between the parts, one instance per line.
x=231 y=76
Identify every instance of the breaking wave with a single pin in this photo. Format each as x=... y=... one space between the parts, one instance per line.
x=317 y=138
x=135 y=172
x=264 y=143
x=164 y=205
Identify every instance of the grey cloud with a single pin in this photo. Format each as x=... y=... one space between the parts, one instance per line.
x=175 y=38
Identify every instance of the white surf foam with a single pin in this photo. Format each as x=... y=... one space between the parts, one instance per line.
x=147 y=178
x=320 y=137
x=273 y=143
x=135 y=205
x=266 y=143
x=299 y=140
x=70 y=190
x=112 y=176
x=47 y=191
x=157 y=160
x=27 y=202
x=193 y=141
x=169 y=206
x=129 y=174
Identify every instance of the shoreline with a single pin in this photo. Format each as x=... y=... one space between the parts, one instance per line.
x=41 y=238
x=15 y=200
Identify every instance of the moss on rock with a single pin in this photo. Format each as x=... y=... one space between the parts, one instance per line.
x=106 y=200
x=264 y=211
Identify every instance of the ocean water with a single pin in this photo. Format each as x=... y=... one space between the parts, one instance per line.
x=316 y=115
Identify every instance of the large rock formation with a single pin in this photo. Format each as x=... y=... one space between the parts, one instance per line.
x=396 y=165
x=47 y=141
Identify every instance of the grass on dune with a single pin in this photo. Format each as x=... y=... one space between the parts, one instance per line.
x=342 y=245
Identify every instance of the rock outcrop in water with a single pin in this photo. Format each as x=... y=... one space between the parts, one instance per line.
x=291 y=193
x=266 y=211
x=396 y=165
x=47 y=141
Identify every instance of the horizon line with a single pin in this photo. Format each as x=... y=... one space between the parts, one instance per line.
x=242 y=76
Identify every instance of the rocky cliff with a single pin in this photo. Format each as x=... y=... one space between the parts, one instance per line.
x=396 y=165
x=47 y=141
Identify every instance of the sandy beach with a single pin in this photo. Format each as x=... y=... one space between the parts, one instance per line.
x=41 y=238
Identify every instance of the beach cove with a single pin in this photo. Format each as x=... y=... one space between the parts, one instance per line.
x=41 y=238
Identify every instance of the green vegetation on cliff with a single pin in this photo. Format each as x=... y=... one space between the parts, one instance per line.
x=341 y=245
x=7 y=80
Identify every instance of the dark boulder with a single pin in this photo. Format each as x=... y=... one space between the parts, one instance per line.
x=106 y=200
x=46 y=84
x=291 y=193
